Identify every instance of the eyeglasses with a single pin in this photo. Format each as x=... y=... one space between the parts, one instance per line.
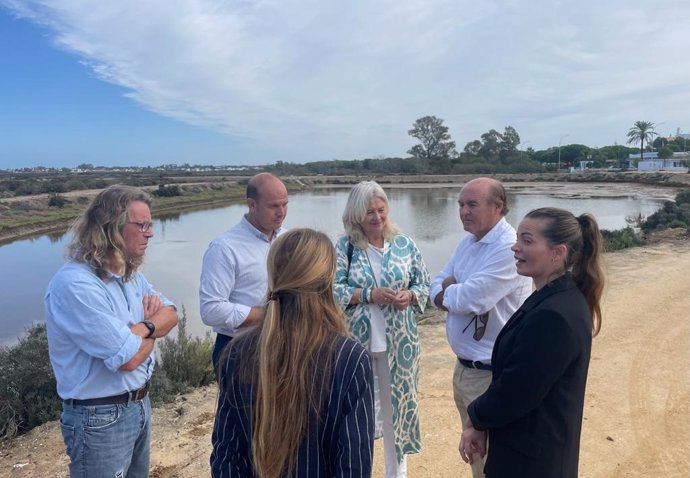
x=143 y=226
x=478 y=329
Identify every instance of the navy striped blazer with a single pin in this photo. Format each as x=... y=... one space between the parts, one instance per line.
x=338 y=444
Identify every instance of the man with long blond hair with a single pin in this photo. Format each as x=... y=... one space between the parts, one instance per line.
x=103 y=318
x=296 y=394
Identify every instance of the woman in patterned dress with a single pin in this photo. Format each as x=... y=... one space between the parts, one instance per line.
x=381 y=282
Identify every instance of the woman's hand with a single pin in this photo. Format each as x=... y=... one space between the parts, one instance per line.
x=403 y=299
x=382 y=295
x=472 y=441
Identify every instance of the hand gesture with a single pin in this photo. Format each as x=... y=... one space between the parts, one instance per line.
x=472 y=442
x=383 y=295
x=402 y=300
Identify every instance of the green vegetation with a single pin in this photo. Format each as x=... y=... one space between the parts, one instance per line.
x=642 y=131
x=673 y=214
x=167 y=191
x=27 y=384
x=184 y=363
x=28 y=395
x=57 y=201
x=435 y=147
x=58 y=211
x=621 y=239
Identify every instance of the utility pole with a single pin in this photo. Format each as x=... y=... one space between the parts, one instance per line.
x=559 y=151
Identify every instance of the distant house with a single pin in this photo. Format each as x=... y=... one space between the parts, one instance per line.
x=651 y=162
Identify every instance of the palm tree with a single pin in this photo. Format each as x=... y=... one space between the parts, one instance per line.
x=641 y=132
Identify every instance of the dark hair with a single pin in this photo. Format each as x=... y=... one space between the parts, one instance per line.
x=585 y=248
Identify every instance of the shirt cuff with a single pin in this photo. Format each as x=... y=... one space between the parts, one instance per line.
x=125 y=354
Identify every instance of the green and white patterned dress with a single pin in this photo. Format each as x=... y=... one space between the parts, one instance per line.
x=402 y=268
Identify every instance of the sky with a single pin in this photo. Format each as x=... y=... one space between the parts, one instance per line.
x=247 y=82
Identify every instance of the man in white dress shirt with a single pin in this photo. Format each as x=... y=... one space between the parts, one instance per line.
x=480 y=288
x=233 y=281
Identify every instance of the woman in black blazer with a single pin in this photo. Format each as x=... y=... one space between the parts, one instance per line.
x=532 y=410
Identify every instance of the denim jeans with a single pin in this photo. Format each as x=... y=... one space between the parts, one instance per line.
x=108 y=441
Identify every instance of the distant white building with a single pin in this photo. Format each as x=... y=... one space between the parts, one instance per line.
x=652 y=162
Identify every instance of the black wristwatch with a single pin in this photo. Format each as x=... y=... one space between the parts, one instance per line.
x=151 y=326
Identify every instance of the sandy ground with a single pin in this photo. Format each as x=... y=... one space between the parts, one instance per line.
x=636 y=413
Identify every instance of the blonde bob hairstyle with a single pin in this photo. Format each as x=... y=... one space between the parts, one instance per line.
x=294 y=344
x=356 y=211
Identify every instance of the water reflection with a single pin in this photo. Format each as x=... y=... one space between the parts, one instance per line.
x=173 y=264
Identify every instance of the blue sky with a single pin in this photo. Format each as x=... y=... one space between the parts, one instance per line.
x=254 y=82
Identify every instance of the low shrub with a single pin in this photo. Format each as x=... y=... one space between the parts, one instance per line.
x=167 y=191
x=670 y=215
x=621 y=239
x=184 y=363
x=57 y=201
x=28 y=395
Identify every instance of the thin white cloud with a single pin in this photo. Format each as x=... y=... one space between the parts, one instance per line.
x=320 y=80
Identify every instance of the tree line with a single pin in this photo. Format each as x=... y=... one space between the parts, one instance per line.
x=493 y=152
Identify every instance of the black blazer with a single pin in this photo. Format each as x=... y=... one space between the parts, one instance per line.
x=533 y=407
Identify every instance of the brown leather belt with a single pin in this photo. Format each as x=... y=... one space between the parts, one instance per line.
x=126 y=397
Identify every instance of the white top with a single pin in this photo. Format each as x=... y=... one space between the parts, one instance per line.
x=378 y=320
x=234 y=277
x=486 y=282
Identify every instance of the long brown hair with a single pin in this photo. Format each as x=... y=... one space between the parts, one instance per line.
x=97 y=238
x=585 y=252
x=291 y=347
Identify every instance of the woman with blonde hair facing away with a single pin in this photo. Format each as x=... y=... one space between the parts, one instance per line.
x=533 y=408
x=382 y=283
x=296 y=394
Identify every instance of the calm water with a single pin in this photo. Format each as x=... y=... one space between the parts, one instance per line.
x=173 y=264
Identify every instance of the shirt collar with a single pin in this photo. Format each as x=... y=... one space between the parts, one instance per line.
x=256 y=233
x=494 y=233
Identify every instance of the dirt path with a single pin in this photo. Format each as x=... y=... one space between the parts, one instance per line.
x=637 y=407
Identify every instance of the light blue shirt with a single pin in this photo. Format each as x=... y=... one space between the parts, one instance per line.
x=234 y=277
x=89 y=337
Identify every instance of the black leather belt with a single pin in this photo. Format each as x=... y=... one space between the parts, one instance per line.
x=470 y=364
x=126 y=397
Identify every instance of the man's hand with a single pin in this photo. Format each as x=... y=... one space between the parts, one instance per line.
x=472 y=442
x=450 y=280
x=438 y=300
x=164 y=318
x=152 y=304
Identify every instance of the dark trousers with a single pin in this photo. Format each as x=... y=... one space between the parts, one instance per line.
x=221 y=342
